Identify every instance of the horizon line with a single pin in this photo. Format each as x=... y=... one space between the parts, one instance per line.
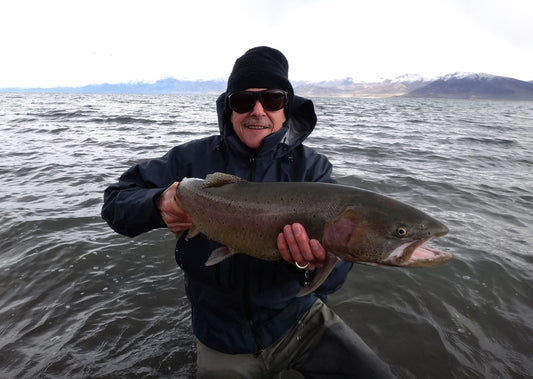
x=216 y=80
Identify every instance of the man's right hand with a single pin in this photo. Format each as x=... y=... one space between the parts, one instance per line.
x=174 y=216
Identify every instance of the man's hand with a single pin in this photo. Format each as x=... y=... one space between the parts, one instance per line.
x=176 y=219
x=296 y=248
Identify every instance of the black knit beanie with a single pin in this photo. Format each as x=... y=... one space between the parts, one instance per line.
x=261 y=67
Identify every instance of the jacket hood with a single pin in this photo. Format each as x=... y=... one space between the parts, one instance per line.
x=298 y=126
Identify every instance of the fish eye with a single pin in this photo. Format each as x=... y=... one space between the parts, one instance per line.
x=401 y=231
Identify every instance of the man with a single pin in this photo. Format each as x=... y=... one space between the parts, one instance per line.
x=246 y=316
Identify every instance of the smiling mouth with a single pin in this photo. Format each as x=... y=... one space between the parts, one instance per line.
x=257 y=127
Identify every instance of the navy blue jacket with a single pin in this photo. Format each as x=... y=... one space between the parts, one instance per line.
x=242 y=304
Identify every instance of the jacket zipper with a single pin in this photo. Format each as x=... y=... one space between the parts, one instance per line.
x=251 y=168
x=247 y=307
x=252 y=325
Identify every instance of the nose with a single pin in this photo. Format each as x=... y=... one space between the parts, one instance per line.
x=258 y=108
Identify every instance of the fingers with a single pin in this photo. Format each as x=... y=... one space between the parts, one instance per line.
x=295 y=247
x=318 y=251
x=283 y=248
x=176 y=219
x=179 y=226
x=298 y=242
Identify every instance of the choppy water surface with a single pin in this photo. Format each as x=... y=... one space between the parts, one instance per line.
x=78 y=300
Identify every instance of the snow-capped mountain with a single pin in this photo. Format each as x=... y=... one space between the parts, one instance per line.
x=463 y=85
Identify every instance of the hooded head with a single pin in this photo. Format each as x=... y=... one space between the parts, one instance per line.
x=261 y=67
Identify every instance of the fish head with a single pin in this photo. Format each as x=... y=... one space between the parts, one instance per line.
x=392 y=234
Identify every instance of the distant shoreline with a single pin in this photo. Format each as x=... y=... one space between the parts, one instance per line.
x=452 y=86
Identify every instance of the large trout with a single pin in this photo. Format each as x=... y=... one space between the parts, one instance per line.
x=352 y=224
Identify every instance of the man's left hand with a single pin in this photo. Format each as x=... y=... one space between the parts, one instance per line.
x=295 y=247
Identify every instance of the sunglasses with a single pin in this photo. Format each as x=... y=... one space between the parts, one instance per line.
x=270 y=99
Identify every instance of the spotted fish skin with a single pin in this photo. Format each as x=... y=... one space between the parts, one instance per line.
x=352 y=224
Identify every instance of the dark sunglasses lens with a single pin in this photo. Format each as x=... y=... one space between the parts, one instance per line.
x=273 y=100
x=242 y=102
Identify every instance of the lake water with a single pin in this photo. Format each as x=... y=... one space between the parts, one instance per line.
x=79 y=301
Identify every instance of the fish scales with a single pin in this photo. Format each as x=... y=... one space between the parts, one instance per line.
x=248 y=216
x=352 y=224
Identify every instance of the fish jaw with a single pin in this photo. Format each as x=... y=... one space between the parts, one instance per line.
x=416 y=254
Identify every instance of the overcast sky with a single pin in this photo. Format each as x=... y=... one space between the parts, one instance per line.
x=49 y=43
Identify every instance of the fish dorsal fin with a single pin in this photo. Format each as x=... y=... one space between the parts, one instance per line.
x=218 y=179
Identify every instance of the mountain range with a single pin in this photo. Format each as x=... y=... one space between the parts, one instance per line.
x=452 y=86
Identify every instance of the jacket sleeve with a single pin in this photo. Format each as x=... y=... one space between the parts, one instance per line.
x=130 y=204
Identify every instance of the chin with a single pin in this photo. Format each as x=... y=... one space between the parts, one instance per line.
x=254 y=142
x=253 y=145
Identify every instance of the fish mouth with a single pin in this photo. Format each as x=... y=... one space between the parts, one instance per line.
x=417 y=254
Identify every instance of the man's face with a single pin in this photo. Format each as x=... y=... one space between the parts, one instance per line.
x=253 y=126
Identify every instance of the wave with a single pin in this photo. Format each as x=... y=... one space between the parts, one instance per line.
x=79 y=300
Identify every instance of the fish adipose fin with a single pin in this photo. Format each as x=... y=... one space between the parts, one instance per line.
x=219 y=179
x=220 y=254
x=321 y=275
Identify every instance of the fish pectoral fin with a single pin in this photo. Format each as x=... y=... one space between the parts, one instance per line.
x=193 y=232
x=321 y=275
x=218 y=255
x=218 y=179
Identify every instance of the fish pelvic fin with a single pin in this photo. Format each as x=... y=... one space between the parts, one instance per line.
x=193 y=232
x=219 y=179
x=321 y=275
x=218 y=255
